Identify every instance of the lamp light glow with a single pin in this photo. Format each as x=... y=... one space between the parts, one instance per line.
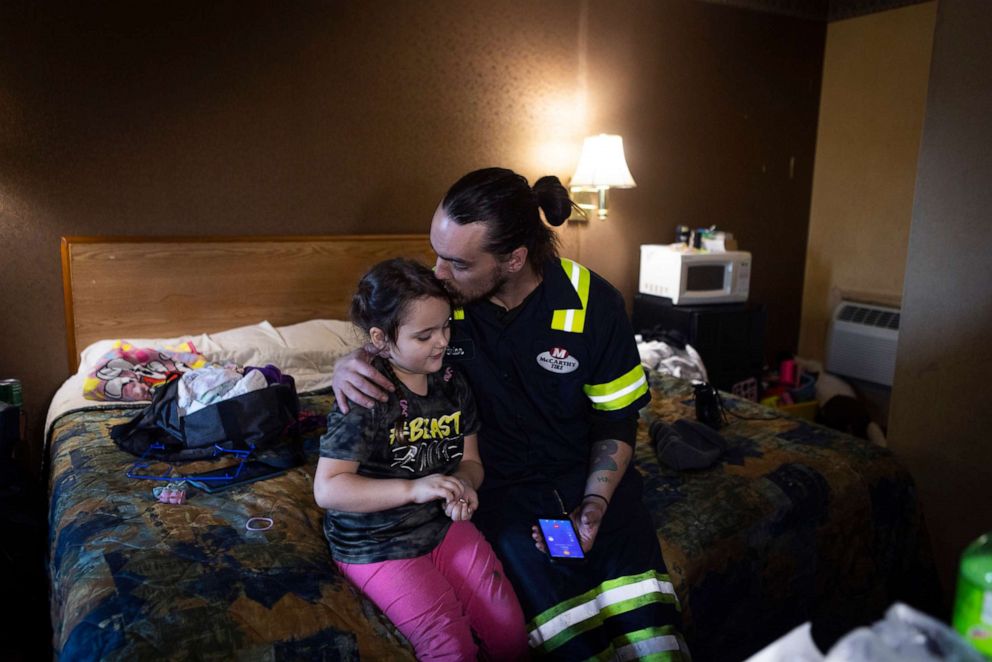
x=602 y=166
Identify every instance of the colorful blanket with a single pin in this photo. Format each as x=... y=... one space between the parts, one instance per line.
x=796 y=522
x=127 y=373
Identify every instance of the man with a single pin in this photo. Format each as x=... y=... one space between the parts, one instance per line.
x=550 y=354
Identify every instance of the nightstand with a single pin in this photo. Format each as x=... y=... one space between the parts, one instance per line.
x=24 y=628
x=730 y=338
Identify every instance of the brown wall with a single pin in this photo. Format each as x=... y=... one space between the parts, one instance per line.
x=332 y=117
x=714 y=105
x=940 y=417
x=875 y=72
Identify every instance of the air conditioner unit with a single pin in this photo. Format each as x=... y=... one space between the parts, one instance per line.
x=862 y=342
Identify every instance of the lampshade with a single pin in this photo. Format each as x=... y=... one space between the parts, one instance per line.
x=602 y=164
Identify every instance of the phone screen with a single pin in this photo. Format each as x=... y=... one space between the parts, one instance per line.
x=561 y=539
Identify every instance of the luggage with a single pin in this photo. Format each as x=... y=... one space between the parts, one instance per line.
x=258 y=423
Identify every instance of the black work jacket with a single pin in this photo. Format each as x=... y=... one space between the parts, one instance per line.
x=552 y=376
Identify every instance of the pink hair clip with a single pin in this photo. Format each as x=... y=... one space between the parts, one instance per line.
x=173 y=493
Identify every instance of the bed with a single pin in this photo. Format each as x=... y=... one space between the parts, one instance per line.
x=796 y=522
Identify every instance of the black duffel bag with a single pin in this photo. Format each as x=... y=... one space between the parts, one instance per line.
x=261 y=421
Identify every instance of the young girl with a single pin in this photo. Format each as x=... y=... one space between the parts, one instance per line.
x=399 y=482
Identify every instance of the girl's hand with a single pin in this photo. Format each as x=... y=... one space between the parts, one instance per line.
x=434 y=487
x=461 y=509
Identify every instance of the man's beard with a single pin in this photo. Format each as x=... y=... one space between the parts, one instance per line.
x=463 y=298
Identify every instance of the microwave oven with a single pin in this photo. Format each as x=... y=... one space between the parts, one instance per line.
x=689 y=276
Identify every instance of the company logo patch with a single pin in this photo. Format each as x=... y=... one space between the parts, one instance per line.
x=557 y=359
x=461 y=351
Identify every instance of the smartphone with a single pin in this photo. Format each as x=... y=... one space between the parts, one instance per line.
x=561 y=539
x=237 y=474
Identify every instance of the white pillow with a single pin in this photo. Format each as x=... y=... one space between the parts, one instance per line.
x=334 y=336
x=245 y=345
x=307 y=350
x=261 y=335
x=310 y=369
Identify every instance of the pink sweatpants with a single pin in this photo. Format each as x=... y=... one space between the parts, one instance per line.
x=438 y=600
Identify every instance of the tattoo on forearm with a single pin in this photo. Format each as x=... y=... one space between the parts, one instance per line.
x=602 y=456
x=603 y=479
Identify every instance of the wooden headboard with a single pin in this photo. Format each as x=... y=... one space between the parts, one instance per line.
x=157 y=287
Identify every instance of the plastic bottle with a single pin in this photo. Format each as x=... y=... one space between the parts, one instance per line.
x=973 y=601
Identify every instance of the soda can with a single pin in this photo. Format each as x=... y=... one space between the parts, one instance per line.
x=10 y=392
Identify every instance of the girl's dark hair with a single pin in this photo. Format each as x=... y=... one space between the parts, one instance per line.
x=510 y=207
x=385 y=292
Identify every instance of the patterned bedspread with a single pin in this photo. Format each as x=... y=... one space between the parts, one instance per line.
x=797 y=522
x=134 y=579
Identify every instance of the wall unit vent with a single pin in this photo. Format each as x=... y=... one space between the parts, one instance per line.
x=862 y=342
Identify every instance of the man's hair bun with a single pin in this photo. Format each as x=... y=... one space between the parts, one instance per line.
x=553 y=199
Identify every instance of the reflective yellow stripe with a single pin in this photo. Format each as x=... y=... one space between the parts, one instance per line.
x=662 y=643
x=559 y=624
x=620 y=392
x=458 y=313
x=573 y=320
